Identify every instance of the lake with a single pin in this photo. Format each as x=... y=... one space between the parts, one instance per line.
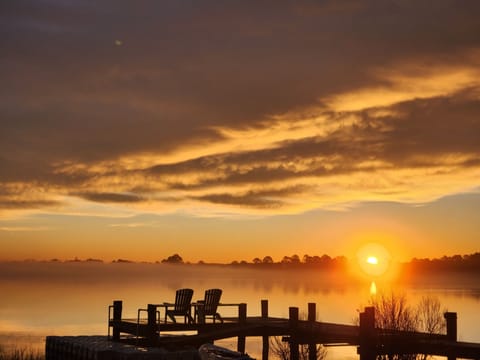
x=39 y=299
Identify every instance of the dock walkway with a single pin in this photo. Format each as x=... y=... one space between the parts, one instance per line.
x=369 y=340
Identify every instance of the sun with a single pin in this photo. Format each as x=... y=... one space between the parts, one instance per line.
x=374 y=259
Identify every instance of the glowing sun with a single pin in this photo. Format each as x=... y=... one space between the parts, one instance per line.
x=373 y=259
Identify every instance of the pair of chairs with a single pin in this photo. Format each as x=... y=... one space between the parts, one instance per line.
x=202 y=309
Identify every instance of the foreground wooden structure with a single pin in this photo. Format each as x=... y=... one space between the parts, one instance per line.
x=370 y=341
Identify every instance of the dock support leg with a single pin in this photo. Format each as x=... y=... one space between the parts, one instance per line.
x=241 y=344
x=293 y=324
x=117 y=318
x=451 y=318
x=242 y=319
x=265 y=338
x=312 y=315
x=366 y=350
x=152 y=323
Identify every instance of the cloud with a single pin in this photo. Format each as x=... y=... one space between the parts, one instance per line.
x=386 y=145
x=131 y=225
x=24 y=228
x=243 y=200
x=111 y=197
x=266 y=198
x=222 y=105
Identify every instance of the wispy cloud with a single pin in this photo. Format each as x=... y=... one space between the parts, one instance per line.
x=24 y=228
x=131 y=225
x=110 y=197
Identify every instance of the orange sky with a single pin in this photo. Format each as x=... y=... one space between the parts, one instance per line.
x=227 y=132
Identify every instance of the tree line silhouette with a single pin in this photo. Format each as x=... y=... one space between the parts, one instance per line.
x=294 y=261
x=460 y=263
x=456 y=263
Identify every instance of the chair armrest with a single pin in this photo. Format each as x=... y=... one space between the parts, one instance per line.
x=167 y=305
x=146 y=310
x=110 y=307
x=139 y=311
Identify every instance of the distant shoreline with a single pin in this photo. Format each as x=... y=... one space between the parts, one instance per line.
x=469 y=263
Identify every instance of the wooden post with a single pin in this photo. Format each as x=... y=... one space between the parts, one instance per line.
x=242 y=313
x=367 y=334
x=312 y=312
x=312 y=317
x=117 y=318
x=264 y=304
x=451 y=318
x=293 y=324
x=242 y=319
x=152 y=323
x=265 y=338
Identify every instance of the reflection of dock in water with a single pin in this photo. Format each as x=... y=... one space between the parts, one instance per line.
x=370 y=341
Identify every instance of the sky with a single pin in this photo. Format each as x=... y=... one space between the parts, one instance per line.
x=231 y=130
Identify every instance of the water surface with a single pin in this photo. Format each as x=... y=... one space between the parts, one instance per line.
x=40 y=299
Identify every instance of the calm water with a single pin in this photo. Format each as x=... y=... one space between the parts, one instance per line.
x=42 y=299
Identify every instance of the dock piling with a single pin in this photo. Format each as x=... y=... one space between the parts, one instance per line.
x=117 y=318
x=293 y=324
x=152 y=322
x=265 y=338
x=242 y=318
x=366 y=350
x=451 y=319
x=312 y=315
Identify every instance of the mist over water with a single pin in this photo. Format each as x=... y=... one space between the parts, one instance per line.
x=40 y=299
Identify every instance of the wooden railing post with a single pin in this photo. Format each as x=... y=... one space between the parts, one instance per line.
x=312 y=312
x=366 y=349
x=451 y=319
x=117 y=318
x=264 y=304
x=242 y=313
x=152 y=323
x=312 y=317
x=293 y=324
x=242 y=319
x=265 y=338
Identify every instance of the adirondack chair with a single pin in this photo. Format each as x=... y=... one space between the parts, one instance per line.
x=181 y=307
x=208 y=306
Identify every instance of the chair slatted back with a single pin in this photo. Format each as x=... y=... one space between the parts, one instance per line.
x=212 y=299
x=183 y=298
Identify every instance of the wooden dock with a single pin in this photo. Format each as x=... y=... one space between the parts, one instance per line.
x=369 y=340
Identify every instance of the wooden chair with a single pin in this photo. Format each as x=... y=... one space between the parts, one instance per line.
x=181 y=307
x=208 y=306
